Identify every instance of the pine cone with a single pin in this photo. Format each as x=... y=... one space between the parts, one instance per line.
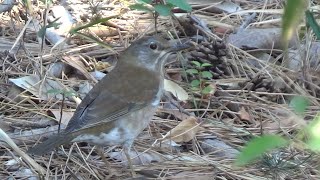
x=264 y=83
x=212 y=53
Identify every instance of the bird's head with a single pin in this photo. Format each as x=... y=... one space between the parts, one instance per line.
x=151 y=52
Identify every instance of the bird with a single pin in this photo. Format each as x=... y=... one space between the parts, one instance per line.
x=121 y=105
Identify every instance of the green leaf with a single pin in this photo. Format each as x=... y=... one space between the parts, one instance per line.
x=293 y=12
x=195 y=83
x=313 y=131
x=206 y=90
x=206 y=65
x=258 y=146
x=192 y=71
x=47 y=1
x=206 y=74
x=195 y=88
x=70 y=93
x=90 y=24
x=54 y=24
x=163 y=10
x=94 y=39
x=196 y=63
x=60 y=91
x=299 y=104
x=27 y=4
x=145 y=1
x=55 y=91
x=182 y=4
x=140 y=7
x=42 y=31
x=311 y=21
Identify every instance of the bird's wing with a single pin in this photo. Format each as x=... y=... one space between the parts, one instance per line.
x=104 y=104
x=99 y=107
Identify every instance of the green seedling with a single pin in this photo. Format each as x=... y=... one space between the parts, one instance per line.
x=163 y=8
x=202 y=77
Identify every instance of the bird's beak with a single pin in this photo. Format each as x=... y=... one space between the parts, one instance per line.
x=176 y=45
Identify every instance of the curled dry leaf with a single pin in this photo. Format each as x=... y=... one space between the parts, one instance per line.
x=176 y=90
x=75 y=61
x=244 y=115
x=185 y=131
x=40 y=89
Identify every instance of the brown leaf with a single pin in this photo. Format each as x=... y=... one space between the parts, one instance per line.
x=244 y=115
x=185 y=131
x=75 y=61
x=176 y=90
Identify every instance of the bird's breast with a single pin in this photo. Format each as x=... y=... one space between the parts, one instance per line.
x=156 y=100
x=124 y=130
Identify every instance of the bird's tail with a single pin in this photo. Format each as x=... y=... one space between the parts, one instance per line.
x=51 y=143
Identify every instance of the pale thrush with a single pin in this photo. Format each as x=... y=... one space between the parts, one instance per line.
x=122 y=104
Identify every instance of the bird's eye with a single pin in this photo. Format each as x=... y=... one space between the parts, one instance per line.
x=153 y=46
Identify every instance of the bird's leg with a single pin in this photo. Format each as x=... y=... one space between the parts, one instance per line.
x=101 y=154
x=126 y=152
x=104 y=159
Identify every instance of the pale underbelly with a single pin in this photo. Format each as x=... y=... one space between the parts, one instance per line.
x=125 y=129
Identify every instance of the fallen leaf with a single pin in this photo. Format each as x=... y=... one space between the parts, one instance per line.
x=176 y=90
x=244 y=115
x=75 y=61
x=185 y=131
x=34 y=85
